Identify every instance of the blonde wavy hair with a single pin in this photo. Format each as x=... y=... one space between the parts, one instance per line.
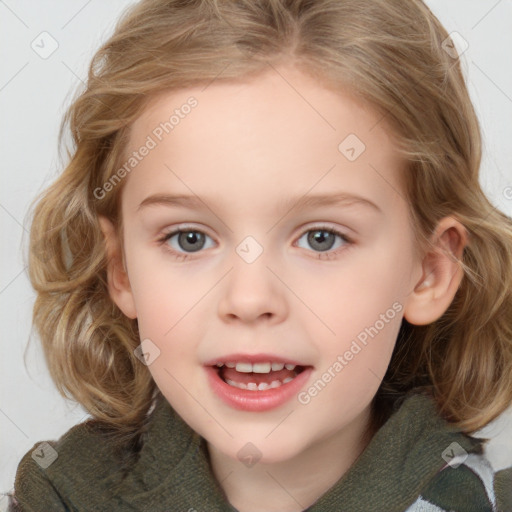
x=391 y=54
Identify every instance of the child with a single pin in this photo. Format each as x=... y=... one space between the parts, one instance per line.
x=345 y=320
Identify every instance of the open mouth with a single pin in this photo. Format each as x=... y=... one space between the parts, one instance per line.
x=257 y=382
x=258 y=376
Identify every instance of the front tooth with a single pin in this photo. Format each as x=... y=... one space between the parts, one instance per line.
x=263 y=385
x=244 y=367
x=275 y=384
x=261 y=367
x=230 y=365
x=289 y=366
x=277 y=366
x=252 y=386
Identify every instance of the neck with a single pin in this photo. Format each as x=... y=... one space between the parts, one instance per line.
x=294 y=484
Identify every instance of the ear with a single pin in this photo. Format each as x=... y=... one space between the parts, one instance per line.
x=118 y=282
x=442 y=274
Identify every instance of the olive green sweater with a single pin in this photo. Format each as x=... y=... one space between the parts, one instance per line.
x=415 y=462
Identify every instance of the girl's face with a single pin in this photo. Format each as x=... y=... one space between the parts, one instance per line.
x=265 y=224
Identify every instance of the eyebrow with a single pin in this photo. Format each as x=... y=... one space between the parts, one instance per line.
x=301 y=202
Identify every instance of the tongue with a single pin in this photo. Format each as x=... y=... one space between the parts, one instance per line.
x=245 y=378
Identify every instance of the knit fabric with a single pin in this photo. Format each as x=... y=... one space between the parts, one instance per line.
x=416 y=462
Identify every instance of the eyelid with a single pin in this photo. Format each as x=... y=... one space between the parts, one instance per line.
x=324 y=225
x=184 y=227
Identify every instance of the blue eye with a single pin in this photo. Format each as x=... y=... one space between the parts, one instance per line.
x=323 y=239
x=188 y=241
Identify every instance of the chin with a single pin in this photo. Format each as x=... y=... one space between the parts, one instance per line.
x=256 y=449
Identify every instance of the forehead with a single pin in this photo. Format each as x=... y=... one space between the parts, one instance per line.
x=279 y=134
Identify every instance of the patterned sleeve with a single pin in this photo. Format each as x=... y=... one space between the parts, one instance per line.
x=464 y=485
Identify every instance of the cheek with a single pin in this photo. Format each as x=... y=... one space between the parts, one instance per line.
x=354 y=295
x=352 y=368
x=170 y=304
x=163 y=294
x=361 y=306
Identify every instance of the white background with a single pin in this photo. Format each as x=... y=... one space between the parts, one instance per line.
x=33 y=95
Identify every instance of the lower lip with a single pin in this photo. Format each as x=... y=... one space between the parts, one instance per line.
x=256 y=401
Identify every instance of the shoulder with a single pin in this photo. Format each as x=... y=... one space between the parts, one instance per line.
x=75 y=466
x=466 y=483
x=85 y=470
x=439 y=468
x=503 y=488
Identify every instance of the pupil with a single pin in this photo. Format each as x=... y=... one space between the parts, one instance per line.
x=317 y=238
x=188 y=240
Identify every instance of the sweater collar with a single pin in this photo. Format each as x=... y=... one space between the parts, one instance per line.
x=173 y=470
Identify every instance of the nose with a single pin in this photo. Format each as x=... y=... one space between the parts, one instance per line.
x=252 y=293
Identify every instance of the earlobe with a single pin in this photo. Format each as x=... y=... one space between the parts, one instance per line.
x=118 y=282
x=441 y=274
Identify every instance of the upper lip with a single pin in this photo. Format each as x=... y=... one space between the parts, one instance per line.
x=253 y=358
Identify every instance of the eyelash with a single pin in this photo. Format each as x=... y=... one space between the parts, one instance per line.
x=330 y=254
